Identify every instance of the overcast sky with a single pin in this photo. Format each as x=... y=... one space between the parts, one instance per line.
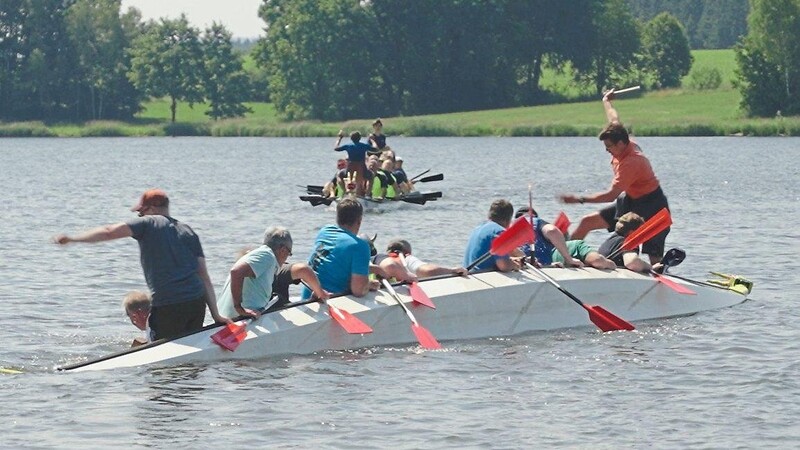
x=240 y=17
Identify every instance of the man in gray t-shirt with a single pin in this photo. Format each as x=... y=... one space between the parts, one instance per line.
x=173 y=264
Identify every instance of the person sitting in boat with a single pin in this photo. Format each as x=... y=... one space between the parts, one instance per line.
x=335 y=187
x=401 y=249
x=248 y=288
x=373 y=165
x=173 y=263
x=629 y=259
x=480 y=241
x=384 y=184
x=339 y=258
x=551 y=248
x=137 y=308
x=356 y=158
x=377 y=139
x=380 y=263
x=401 y=177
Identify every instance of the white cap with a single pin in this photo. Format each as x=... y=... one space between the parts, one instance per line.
x=398 y=158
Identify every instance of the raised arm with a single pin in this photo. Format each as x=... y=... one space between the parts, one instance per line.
x=611 y=112
x=338 y=140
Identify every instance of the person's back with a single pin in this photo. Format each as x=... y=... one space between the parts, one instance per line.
x=480 y=240
x=168 y=251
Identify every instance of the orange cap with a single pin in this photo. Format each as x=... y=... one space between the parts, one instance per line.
x=152 y=197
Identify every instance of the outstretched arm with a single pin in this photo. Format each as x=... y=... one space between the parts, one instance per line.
x=338 y=140
x=99 y=234
x=301 y=271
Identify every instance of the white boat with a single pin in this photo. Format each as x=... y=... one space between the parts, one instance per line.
x=489 y=304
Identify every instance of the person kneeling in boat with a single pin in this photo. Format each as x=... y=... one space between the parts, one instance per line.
x=137 y=308
x=480 y=241
x=552 y=248
x=339 y=257
x=248 y=289
x=629 y=259
x=401 y=249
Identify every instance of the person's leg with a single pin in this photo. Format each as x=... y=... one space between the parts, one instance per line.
x=593 y=221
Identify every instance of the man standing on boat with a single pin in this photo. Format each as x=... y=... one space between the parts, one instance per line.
x=356 y=157
x=634 y=187
x=480 y=241
x=248 y=289
x=173 y=263
x=340 y=258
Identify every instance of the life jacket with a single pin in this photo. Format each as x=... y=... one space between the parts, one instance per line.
x=377 y=185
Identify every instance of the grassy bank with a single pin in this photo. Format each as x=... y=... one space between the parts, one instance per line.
x=679 y=112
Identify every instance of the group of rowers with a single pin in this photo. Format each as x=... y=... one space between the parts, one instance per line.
x=344 y=262
x=371 y=169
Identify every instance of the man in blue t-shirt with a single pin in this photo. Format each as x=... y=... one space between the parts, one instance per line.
x=480 y=241
x=356 y=157
x=339 y=257
x=173 y=263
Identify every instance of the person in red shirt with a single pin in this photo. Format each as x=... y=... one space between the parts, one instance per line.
x=634 y=187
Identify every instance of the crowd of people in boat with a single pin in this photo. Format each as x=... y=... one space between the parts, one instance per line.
x=370 y=170
x=343 y=262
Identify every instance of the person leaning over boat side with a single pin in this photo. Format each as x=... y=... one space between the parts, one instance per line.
x=137 y=308
x=415 y=265
x=249 y=286
x=377 y=139
x=356 y=157
x=629 y=259
x=173 y=263
x=552 y=248
x=480 y=241
x=339 y=257
x=380 y=263
x=634 y=187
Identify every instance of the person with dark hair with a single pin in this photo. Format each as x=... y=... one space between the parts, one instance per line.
x=401 y=250
x=339 y=257
x=356 y=157
x=629 y=259
x=377 y=139
x=173 y=263
x=634 y=187
x=480 y=241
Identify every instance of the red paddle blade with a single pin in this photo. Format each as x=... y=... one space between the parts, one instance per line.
x=677 y=287
x=562 y=222
x=419 y=296
x=607 y=321
x=654 y=225
x=349 y=322
x=520 y=232
x=231 y=336
x=425 y=338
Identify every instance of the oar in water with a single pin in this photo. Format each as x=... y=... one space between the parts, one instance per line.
x=317 y=200
x=421 y=174
x=420 y=199
x=519 y=233
x=424 y=337
x=652 y=226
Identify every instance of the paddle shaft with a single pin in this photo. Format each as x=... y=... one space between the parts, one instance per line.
x=630 y=89
x=423 y=173
x=396 y=298
x=550 y=280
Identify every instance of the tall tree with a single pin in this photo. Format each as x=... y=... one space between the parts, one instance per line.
x=226 y=85
x=167 y=60
x=666 y=50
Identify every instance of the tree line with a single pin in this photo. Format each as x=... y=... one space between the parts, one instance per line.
x=77 y=60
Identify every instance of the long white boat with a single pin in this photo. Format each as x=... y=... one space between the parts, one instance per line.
x=488 y=304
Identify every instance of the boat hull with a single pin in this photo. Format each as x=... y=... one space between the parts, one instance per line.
x=489 y=304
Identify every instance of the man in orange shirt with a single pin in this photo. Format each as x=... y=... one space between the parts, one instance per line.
x=634 y=187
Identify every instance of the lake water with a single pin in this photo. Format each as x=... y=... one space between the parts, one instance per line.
x=719 y=379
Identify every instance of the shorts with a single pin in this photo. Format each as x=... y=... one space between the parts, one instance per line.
x=646 y=206
x=280 y=285
x=176 y=319
x=578 y=249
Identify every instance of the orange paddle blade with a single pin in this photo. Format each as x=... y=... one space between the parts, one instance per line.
x=349 y=322
x=425 y=338
x=562 y=222
x=419 y=296
x=520 y=232
x=677 y=287
x=654 y=225
x=606 y=320
x=230 y=336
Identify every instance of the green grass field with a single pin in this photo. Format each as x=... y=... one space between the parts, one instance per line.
x=666 y=112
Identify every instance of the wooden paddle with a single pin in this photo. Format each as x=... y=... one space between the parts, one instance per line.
x=654 y=225
x=519 y=233
x=424 y=337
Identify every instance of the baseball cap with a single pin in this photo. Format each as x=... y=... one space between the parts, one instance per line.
x=152 y=197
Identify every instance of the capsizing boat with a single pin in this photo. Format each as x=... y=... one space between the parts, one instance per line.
x=481 y=305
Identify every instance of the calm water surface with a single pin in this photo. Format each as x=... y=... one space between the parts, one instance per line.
x=719 y=379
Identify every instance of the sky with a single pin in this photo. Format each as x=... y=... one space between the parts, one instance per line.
x=240 y=17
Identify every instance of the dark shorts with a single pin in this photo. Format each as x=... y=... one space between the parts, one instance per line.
x=169 y=321
x=646 y=206
x=280 y=285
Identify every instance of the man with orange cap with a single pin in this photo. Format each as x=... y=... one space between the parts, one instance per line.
x=173 y=263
